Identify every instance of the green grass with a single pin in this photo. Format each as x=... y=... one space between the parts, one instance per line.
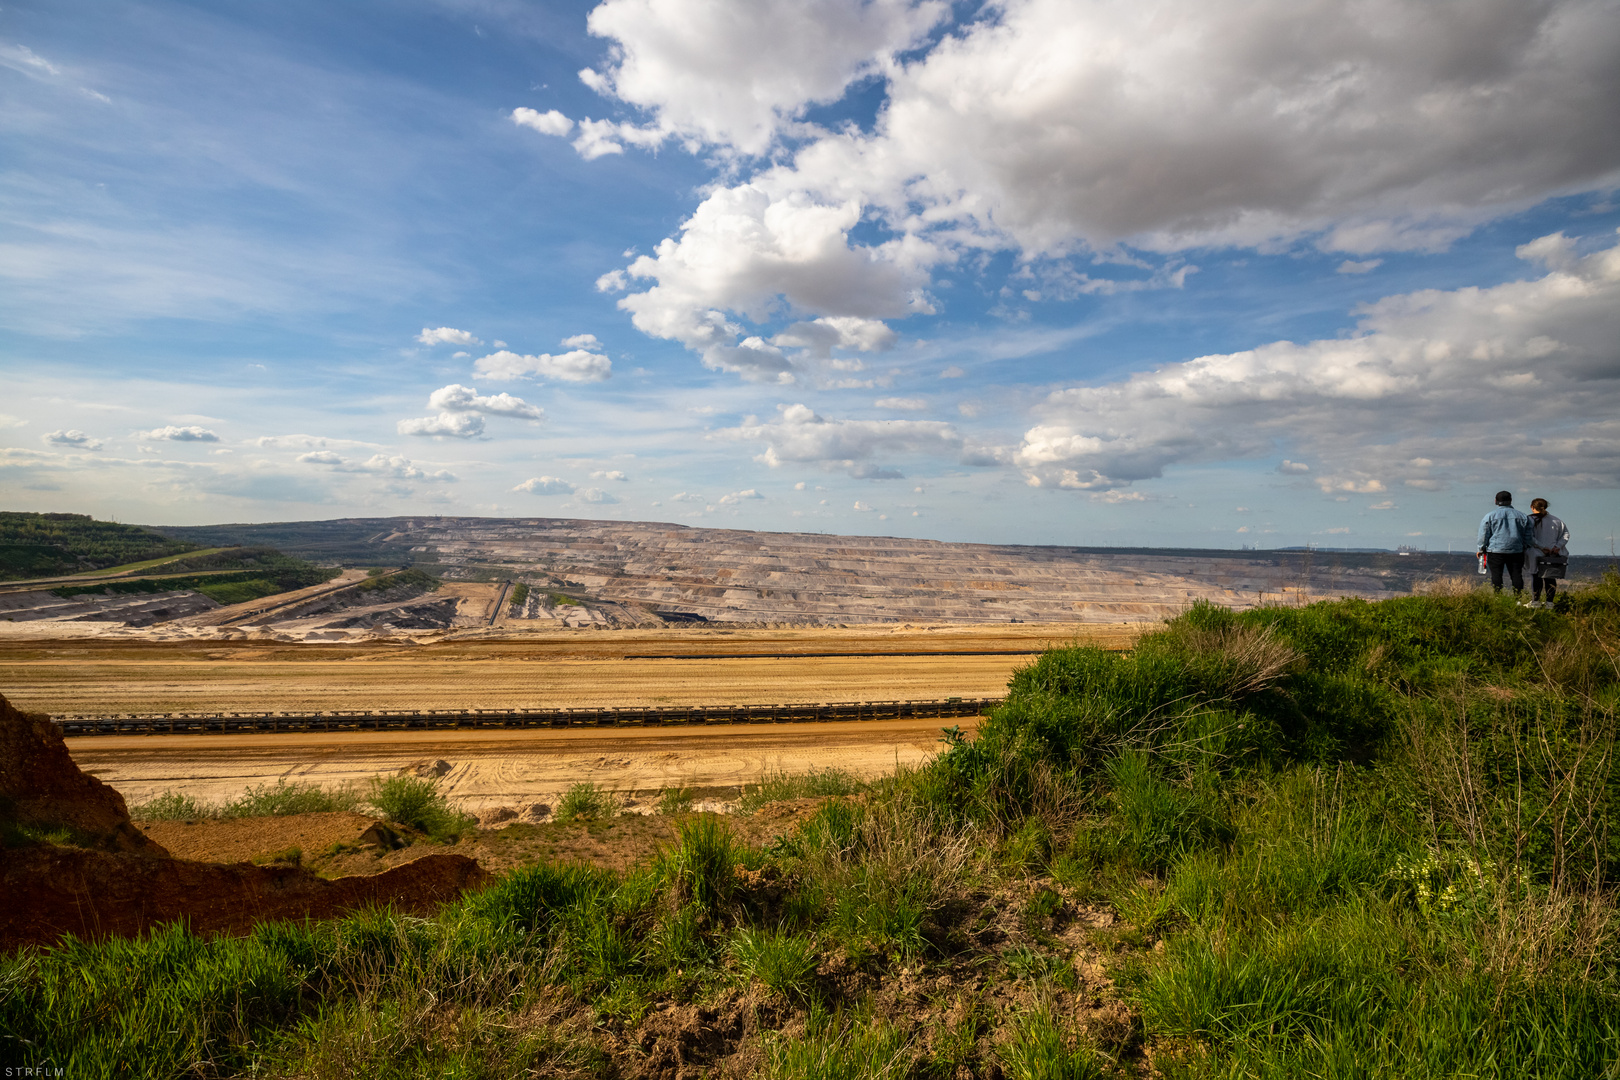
x=781 y=786
x=1342 y=840
x=413 y=578
x=265 y=800
x=676 y=800
x=585 y=802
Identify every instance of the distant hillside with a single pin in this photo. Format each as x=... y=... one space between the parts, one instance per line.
x=50 y=545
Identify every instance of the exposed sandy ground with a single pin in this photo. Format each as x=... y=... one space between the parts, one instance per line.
x=562 y=669
x=499 y=768
x=519 y=768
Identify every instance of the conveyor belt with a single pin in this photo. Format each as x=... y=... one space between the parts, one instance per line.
x=192 y=723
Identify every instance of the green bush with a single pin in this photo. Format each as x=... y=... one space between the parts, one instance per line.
x=585 y=801
x=417 y=802
x=172 y=806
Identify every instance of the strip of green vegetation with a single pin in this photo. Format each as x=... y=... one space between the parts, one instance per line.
x=53 y=545
x=564 y=600
x=406 y=800
x=225 y=588
x=817 y=783
x=227 y=576
x=148 y=564
x=520 y=596
x=266 y=800
x=407 y=578
x=1344 y=840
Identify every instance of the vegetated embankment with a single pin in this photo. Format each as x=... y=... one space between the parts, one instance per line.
x=1346 y=839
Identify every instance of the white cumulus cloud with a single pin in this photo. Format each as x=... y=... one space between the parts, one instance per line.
x=1058 y=129
x=462 y=410
x=546 y=485
x=550 y=122
x=800 y=435
x=393 y=466
x=446 y=335
x=1521 y=379
x=731 y=74
x=594 y=495
x=73 y=437
x=746 y=495
x=171 y=433
x=583 y=362
x=446 y=424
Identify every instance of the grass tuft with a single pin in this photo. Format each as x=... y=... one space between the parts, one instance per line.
x=585 y=802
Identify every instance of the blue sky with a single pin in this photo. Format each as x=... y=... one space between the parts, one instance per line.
x=1117 y=273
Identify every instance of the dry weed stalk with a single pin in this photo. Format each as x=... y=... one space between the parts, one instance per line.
x=1560 y=775
x=1447 y=585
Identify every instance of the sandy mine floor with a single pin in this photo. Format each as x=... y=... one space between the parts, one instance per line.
x=496 y=768
x=564 y=669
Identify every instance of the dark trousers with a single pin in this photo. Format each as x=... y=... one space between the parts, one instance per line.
x=1512 y=562
x=1538 y=583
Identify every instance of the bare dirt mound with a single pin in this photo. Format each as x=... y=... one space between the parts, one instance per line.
x=41 y=788
x=248 y=839
x=74 y=863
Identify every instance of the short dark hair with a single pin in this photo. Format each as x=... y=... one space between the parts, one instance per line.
x=1504 y=498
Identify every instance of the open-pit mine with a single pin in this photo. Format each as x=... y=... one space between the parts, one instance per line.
x=458 y=615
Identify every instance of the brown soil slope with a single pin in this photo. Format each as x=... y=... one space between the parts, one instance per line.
x=113 y=881
x=41 y=788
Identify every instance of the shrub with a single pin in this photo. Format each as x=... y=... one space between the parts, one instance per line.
x=418 y=803
x=172 y=806
x=284 y=798
x=585 y=802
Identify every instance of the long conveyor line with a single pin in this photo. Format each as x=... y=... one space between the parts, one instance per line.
x=191 y=723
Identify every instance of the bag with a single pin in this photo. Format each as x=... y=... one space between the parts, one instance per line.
x=1552 y=566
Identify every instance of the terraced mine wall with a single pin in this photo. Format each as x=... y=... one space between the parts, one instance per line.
x=613 y=574
x=201 y=722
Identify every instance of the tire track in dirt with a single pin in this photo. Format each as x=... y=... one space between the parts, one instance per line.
x=491 y=768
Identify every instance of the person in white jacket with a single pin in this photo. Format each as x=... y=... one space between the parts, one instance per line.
x=1550 y=541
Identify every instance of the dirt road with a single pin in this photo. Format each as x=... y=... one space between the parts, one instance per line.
x=497 y=768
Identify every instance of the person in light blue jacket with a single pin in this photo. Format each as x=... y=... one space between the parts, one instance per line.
x=1504 y=536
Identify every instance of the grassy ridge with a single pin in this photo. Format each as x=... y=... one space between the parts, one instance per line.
x=49 y=545
x=1343 y=840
